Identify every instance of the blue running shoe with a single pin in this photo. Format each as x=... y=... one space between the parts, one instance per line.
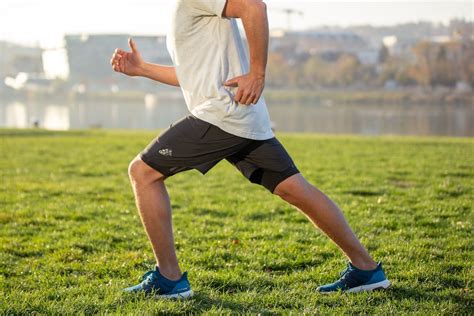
x=154 y=283
x=355 y=280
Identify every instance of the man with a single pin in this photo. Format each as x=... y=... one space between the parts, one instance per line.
x=229 y=121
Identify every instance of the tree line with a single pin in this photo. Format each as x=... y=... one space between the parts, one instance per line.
x=427 y=64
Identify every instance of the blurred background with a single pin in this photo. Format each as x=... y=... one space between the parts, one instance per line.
x=338 y=67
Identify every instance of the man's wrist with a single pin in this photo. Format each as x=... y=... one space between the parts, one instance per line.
x=144 y=70
x=257 y=74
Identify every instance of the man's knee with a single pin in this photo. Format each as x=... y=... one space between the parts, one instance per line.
x=140 y=172
x=292 y=189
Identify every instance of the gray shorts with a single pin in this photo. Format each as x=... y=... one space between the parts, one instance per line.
x=191 y=143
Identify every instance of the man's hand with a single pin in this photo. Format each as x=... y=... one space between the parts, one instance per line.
x=132 y=64
x=250 y=88
x=129 y=63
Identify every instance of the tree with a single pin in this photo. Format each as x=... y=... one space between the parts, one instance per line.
x=422 y=73
x=467 y=62
x=314 y=71
x=346 y=69
x=384 y=54
x=277 y=70
x=443 y=70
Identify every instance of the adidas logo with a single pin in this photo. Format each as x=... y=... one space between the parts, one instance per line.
x=166 y=152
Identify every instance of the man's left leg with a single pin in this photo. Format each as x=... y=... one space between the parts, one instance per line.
x=363 y=273
x=268 y=163
x=324 y=213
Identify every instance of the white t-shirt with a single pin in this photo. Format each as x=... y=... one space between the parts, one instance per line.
x=207 y=50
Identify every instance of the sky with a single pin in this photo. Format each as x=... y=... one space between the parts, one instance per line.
x=44 y=22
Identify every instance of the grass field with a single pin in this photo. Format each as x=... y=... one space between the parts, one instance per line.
x=71 y=238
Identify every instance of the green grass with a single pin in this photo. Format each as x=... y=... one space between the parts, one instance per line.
x=71 y=239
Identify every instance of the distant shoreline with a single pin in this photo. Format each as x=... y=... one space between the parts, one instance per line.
x=272 y=95
x=374 y=97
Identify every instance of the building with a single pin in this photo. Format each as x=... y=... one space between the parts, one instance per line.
x=89 y=59
x=329 y=45
x=18 y=58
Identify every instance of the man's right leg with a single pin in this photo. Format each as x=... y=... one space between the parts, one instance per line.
x=155 y=212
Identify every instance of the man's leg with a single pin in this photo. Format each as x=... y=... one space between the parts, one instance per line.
x=327 y=216
x=155 y=212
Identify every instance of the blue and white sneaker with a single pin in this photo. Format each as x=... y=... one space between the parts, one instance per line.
x=355 y=280
x=154 y=283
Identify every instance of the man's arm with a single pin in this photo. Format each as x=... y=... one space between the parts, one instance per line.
x=160 y=73
x=132 y=64
x=253 y=14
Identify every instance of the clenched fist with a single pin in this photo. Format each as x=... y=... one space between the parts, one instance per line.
x=129 y=63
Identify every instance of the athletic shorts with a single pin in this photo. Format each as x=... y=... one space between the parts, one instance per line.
x=191 y=143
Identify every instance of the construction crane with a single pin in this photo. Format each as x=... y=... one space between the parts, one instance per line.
x=289 y=12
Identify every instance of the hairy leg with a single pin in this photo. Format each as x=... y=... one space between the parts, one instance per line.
x=325 y=214
x=154 y=207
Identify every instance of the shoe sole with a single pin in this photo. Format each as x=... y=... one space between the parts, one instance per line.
x=365 y=288
x=182 y=295
x=370 y=287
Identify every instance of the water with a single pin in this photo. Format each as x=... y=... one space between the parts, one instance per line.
x=445 y=120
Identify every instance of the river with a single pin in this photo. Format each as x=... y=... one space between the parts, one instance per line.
x=328 y=118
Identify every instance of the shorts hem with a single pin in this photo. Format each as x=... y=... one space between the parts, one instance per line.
x=283 y=176
x=164 y=172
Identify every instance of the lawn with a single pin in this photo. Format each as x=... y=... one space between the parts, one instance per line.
x=71 y=239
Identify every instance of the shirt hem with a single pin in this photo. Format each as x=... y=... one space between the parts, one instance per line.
x=234 y=131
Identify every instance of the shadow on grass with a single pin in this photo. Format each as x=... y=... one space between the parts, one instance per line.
x=457 y=174
x=463 y=299
x=296 y=265
x=235 y=286
x=203 y=303
x=451 y=193
x=213 y=213
x=363 y=192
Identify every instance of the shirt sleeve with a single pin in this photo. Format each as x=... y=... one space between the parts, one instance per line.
x=208 y=7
